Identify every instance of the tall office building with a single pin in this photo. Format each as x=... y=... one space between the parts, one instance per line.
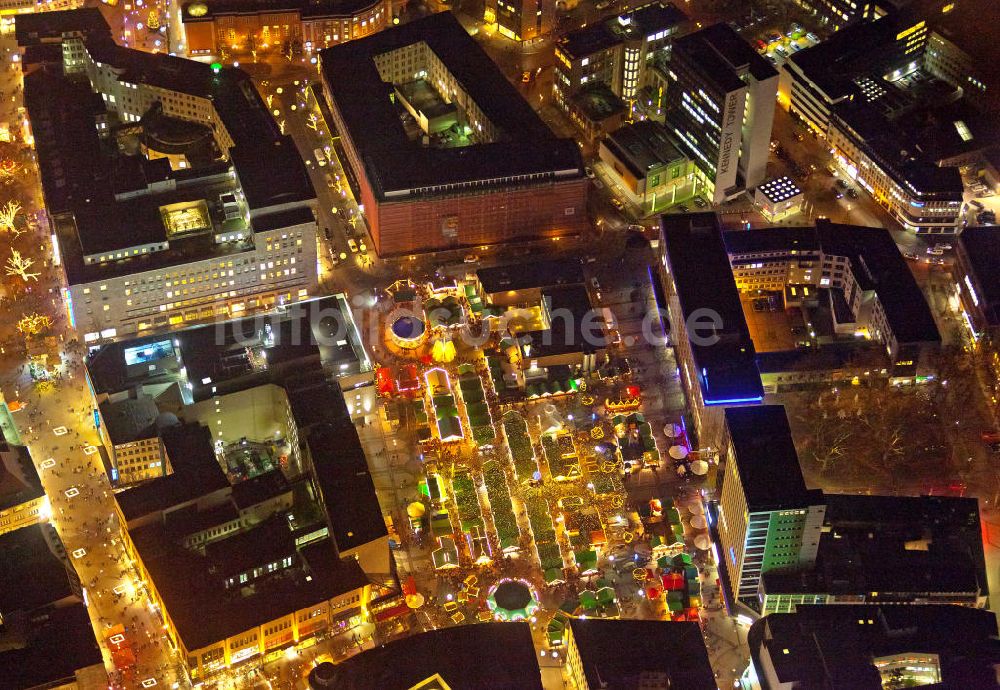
x=521 y=20
x=720 y=105
x=765 y=519
x=604 y=70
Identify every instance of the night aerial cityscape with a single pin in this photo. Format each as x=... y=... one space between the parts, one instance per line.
x=499 y=344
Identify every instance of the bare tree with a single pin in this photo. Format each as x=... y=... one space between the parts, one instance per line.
x=18 y=265
x=8 y=218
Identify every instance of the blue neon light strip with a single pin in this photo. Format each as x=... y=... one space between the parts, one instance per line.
x=735 y=401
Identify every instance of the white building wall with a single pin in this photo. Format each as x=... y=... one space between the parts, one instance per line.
x=280 y=268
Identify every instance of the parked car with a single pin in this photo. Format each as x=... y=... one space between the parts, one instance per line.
x=470 y=258
x=699 y=202
x=352 y=245
x=589 y=171
x=911 y=256
x=852 y=192
x=616 y=202
x=935 y=251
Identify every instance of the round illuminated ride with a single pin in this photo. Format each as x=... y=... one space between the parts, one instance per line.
x=408 y=332
x=512 y=600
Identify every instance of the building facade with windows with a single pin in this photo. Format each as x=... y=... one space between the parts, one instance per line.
x=22 y=499
x=521 y=20
x=854 y=90
x=765 y=518
x=618 y=51
x=210 y=217
x=977 y=263
x=719 y=105
x=649 y=166
x=213 y=26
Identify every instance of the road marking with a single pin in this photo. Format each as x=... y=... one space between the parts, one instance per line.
x=71 y=492
x=90 y=450
x=46 y=464
x=60 y=431
x=79 y=553
x=117 y=638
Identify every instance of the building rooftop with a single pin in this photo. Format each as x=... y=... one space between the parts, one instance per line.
x=723 y=56
x=48 y=650
x=836 y=646
x=857 y=564
x=530 y=275
x=258 y=489
x=130 y=419
x=765 y=456
x=779 y=189
x=981 y=252
x=34 y=571
x=703 y=277
x=909 y=147
x=345 y=483
x=643 y=146
x=876 y=264
x=951 y=523
x=611 y=31
x=49 y=27
x=207 y=10
x=205 y=611
x=215 y=357
x=962 y=26
x=81 y=173
x=196 y=473
x=398 y=168
x=500 y=656
x=834 y=63
x=598 y=102
x=19 y=481
x=570 y=326
x=657 y=654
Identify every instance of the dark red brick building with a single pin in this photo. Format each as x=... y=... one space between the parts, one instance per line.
x=495 y=174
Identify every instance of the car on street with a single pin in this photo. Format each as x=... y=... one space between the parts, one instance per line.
x=852 y=192
x=989 y=436
x=525 y=77
x=935 y=251
x=352 y=245
x=362 y=247
x=699 y=202
x=911 y=256
x=470 y=258
x=839 y=194
x=589 y=171
x=944 y=246
x=616 y=202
